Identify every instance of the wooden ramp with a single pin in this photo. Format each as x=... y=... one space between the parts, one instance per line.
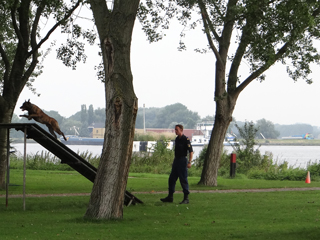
x=67 y=156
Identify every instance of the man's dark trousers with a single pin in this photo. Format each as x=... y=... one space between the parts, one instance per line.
x=179 y=170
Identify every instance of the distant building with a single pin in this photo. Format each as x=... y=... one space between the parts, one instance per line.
x=97 y=130
x=206 y=127
x=187 y=132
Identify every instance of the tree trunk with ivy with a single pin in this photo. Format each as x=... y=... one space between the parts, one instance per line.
x=115 y=30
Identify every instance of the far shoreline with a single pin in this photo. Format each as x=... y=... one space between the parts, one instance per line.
x=262 y=142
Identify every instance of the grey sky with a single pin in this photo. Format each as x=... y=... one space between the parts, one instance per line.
x=163 y=76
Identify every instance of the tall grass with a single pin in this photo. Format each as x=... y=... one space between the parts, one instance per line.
x=160 y=161
x=46 y=161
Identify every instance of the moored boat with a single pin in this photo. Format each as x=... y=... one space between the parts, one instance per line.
x=76 y=140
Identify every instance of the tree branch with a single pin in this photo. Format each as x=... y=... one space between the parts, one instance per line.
x=209 y=28
x=67 y=15
x=278 y=55
x=265 y=67
x=205 y=15
x=14 y=22
x=6 y=63
x=35 y=25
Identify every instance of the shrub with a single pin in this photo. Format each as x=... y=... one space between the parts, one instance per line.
x=46 y=161
x=159 y=161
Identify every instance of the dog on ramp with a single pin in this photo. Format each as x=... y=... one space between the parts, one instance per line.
x=34 y=112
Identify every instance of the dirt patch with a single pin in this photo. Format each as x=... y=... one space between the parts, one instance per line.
x=164 y=192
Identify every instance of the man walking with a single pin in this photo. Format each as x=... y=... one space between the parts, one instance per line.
x=180 y=165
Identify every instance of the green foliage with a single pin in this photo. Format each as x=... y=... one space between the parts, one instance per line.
x=167 y=117
x=92 y=159
x=267 y=129
x=251 y=163
x=199 y=161
x=38 y=161
x=20 y=46
x=247 y=156
x=159 y=161
x=46 y=161
x=295 y=129
x=144 y=137
x=266 y=31
x=224 y=165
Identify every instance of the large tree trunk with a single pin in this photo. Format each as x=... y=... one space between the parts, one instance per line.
x=225 y=104
x=5 y=117
x=115 y=31
x=7 y=106
x=212 y=159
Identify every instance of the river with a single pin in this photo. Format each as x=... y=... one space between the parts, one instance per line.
x=296 y=156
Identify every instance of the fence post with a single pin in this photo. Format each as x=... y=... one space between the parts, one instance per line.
x=233 y=157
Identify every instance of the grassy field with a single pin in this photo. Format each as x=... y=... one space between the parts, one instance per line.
x=238 y=215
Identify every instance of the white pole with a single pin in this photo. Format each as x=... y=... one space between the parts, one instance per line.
x=8 y=166
x=144 y=118
x=24 y=168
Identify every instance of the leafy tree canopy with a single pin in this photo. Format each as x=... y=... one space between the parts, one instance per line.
x=265 y=31
x=296 y=129
x=267 y=129
x=167 y=117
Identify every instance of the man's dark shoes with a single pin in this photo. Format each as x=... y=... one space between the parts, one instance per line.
x=167 y=199
x=185 y=201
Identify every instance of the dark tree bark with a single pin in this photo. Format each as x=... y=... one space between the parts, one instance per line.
x=115 y=30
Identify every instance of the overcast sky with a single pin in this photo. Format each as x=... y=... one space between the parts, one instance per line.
x=163 y=76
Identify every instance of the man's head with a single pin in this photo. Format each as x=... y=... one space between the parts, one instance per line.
x=178 y=129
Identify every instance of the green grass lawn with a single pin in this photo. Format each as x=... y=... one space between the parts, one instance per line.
x=250 y=215
x=51 y=182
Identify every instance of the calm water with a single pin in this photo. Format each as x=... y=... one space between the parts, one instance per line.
x=297 y=156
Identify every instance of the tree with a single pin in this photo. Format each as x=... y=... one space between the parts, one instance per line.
x=100 y=115
x=176 y=113
x=267 y=129
x=20 y=43
x=150 y=117
x=258 y=33
x=207 y=118
x=115 y=24
x=90 y=115
x=168 y=117
x=84 y=114
x=295 y=129
x=248 y=156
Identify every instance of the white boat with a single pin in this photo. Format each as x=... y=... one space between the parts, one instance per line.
x=206 y=129
x=201 y=140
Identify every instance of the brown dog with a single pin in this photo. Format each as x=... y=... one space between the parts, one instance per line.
x=38 y=115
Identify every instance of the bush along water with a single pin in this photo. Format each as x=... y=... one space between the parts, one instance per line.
x=250 y=162
x=157 y=161
x=46 y=161
x=254 y=165
x=263 y=167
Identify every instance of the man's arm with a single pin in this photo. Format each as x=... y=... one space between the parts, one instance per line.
x=190 y=159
